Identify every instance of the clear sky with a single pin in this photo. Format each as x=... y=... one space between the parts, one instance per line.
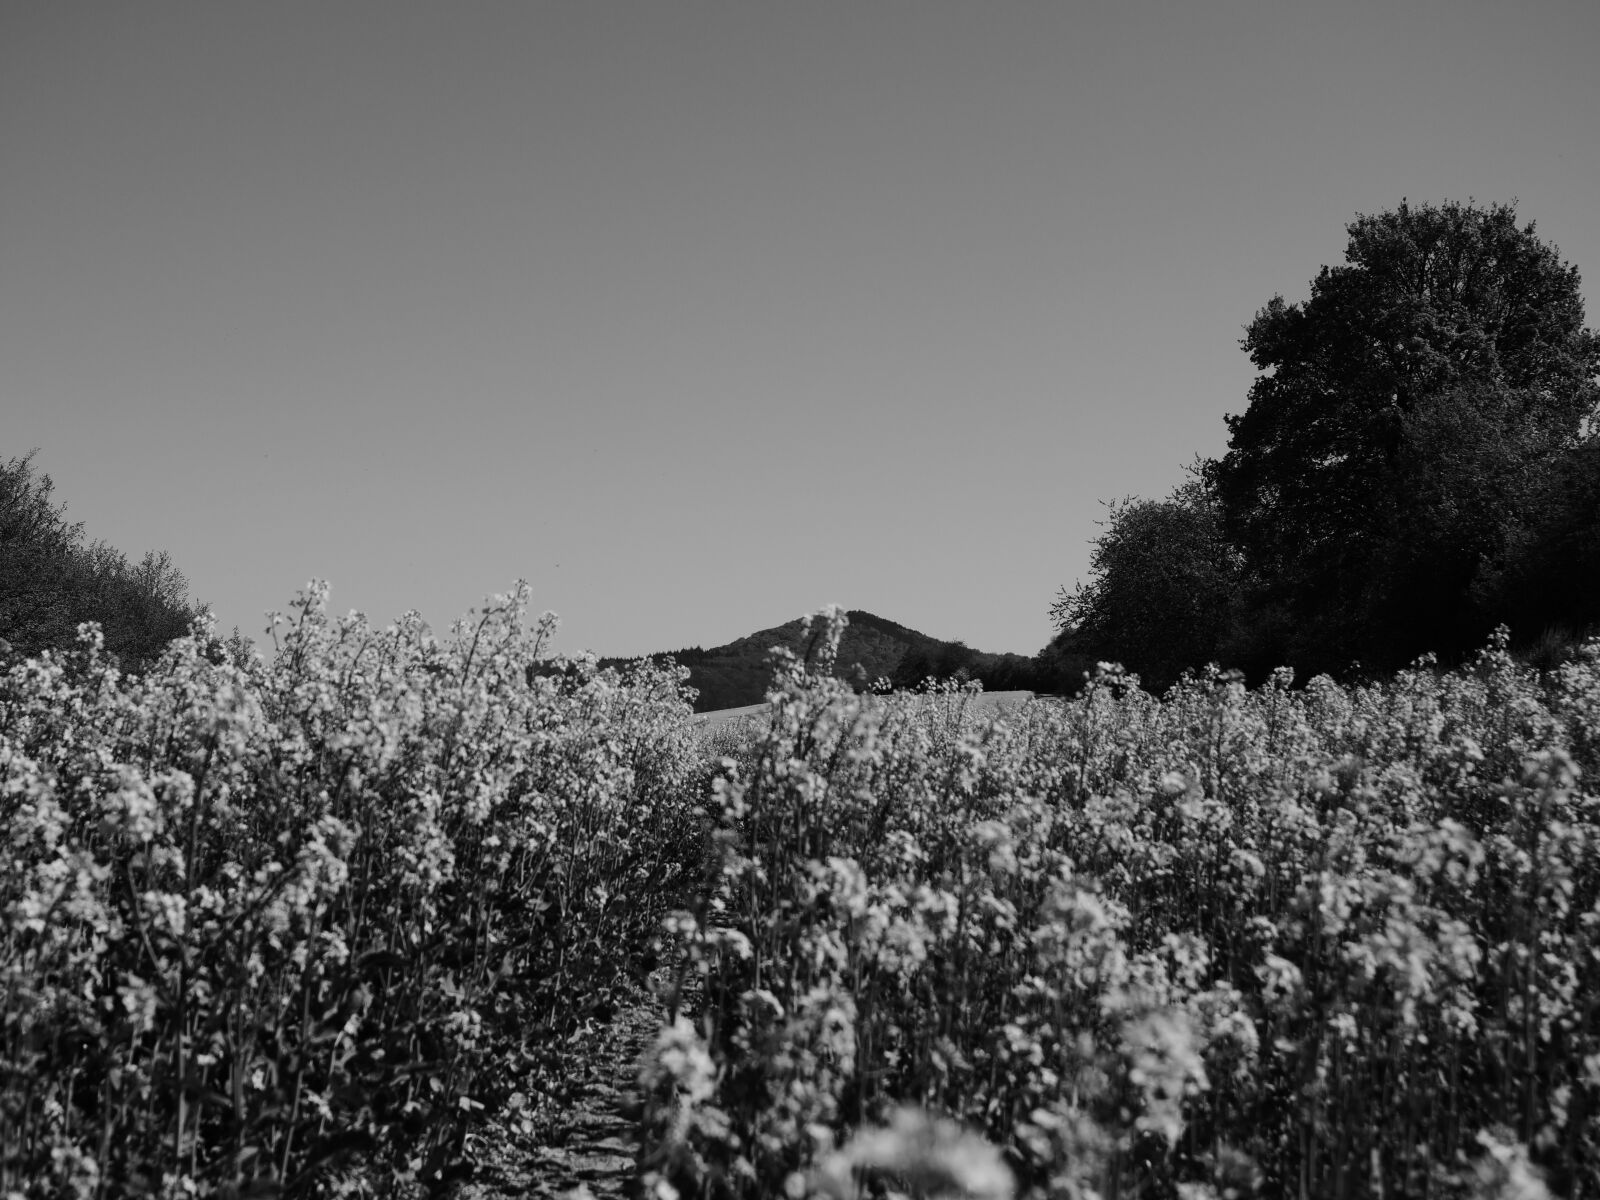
x=699 y=316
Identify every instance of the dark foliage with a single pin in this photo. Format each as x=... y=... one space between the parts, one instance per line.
x=1396 y=448
x=1163 y=587
x=1549 y=576
x=51 y=579
x=1416 y=466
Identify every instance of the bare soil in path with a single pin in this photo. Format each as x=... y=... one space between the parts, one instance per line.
x=588 y=1149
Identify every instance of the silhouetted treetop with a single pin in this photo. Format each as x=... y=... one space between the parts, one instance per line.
x=52 y=580
x=1402 y=414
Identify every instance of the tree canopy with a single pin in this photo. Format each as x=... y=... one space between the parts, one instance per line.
x=1399 y=433
x=52 y=579
x=1417 y=462
x=1162 y=585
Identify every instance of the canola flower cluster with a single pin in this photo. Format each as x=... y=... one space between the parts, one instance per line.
x=1328 y=941
x=286 y=928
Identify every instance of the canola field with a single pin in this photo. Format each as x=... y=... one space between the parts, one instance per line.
x=298 y=925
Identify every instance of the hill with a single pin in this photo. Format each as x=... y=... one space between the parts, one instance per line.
x=736 y=674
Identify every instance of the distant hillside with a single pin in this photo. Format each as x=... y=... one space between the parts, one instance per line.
x=872 y=647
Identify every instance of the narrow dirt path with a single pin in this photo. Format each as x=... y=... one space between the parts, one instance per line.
x=589 y=1150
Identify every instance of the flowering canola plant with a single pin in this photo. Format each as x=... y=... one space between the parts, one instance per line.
x=1323 y=941
x=286 y=927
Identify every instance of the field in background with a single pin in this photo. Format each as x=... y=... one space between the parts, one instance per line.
x=979 y=705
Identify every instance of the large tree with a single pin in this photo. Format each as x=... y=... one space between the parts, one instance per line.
x=1400 y=413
